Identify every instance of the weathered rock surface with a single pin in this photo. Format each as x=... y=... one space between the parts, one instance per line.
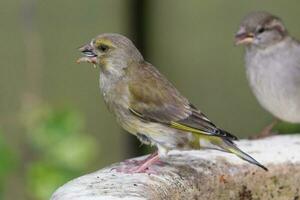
x=205 y=174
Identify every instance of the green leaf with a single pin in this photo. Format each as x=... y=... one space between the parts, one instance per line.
x=44 y=178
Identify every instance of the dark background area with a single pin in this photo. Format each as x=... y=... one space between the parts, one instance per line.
x=54 y=125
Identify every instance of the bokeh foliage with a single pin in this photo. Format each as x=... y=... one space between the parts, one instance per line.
x=61 y=147
x=58 y=148
x=8 y=162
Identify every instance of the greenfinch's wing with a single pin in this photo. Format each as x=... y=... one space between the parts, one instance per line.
x=154 y=98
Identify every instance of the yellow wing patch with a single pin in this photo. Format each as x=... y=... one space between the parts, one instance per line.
x=136 y=113
x=186 y=128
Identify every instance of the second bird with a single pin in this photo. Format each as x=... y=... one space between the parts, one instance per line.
x=147 y=105
x=272 y=60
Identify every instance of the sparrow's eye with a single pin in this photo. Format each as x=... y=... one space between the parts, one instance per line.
x=261 y=30
x=103 y=47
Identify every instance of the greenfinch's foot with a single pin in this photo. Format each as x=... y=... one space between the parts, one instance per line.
x=140 y=166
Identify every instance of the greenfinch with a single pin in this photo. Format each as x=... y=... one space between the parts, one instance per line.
x=148 y=106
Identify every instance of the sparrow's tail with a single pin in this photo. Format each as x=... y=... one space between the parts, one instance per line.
x=230 y=147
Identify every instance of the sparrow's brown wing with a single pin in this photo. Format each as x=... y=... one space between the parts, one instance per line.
x=154 y=98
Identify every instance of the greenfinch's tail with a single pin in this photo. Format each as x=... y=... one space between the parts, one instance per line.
x=230 y=147
x=226 y=144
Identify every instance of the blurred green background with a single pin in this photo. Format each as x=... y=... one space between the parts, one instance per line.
x=54 y=125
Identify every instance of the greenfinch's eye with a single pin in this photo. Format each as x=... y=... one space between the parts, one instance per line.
x=103 y=47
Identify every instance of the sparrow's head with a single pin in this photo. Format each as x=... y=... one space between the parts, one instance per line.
x=111 y=51
x=260 y=29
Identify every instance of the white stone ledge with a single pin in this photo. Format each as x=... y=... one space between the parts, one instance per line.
x=205 y=174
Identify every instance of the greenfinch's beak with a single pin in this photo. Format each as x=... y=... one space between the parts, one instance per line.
x=89 y=54
x=244 y=38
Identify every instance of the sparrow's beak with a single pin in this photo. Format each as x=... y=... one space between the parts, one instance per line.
x=89 y=54
x=243 y=37
x=246 y=38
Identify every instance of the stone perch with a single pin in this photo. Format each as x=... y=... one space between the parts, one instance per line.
x=206 y=174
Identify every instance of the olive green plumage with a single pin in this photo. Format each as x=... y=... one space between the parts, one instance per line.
x=147 y=105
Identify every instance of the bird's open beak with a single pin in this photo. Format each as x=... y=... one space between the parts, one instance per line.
x=244 y=38
x=89 y=54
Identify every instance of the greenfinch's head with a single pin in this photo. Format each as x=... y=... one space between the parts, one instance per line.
x=110 y=50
